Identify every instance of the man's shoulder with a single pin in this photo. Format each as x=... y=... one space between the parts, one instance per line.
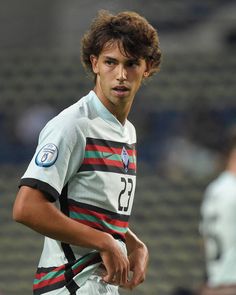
x=71 y=120
x=77 y=111
x=225 y=179
x=224 y=185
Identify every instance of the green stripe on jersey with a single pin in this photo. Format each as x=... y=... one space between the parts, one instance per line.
x=94 y=219
x=50 y=275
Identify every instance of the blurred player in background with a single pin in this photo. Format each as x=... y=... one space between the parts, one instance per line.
x=79 y=187
x=218 y=226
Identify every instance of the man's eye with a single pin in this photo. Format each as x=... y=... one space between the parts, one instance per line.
x=109 y=62
x=133 y=63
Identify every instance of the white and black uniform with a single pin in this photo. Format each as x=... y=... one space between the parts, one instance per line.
x=218 y=228
x=86 y=162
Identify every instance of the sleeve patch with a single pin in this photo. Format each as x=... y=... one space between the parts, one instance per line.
x=47 y=156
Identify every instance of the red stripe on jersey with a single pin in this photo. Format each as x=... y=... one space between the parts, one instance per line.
x=100 y=216
x=38 y=276
x=48 y=282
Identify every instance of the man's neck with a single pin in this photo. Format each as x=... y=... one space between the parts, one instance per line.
x=120 y=111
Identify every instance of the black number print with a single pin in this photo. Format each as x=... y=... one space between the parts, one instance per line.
x=125 y=194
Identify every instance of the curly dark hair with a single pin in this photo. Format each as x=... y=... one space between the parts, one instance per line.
x=137 y=38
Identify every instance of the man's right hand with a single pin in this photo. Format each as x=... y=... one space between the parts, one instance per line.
x=116 y=264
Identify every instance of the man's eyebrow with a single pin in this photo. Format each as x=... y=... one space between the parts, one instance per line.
x=130 y=59
x=134 y=59
x=110 y=58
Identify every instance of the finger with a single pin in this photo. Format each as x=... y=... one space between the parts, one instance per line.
x=125 y=274
x=112 y=281
x=121 y=274
x=119 y=277
x=134 y=281
x=109 y=277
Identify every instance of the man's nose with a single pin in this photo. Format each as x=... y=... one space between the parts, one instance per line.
x=121 y=73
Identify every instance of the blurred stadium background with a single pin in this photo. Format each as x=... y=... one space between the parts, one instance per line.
x=181 y=116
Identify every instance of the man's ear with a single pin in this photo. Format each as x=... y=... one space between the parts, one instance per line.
x=94 y=63
x=147 y=71
x=145 y=74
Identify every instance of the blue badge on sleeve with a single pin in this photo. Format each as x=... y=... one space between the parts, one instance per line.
x=47 y=156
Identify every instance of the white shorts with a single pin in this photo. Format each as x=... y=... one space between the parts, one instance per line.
x=95 y=286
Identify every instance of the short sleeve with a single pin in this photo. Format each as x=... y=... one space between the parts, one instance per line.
x=57 y=158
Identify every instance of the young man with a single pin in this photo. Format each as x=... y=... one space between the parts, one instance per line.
x=86 y=162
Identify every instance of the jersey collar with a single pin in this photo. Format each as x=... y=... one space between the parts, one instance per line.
x=104 y=113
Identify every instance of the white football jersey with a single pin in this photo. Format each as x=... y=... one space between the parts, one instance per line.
x=86 y=162
x=218 y=227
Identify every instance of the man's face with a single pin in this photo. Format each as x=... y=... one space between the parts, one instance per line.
x=118 y=76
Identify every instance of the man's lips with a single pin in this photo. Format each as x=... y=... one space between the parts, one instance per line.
x=120 y=88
